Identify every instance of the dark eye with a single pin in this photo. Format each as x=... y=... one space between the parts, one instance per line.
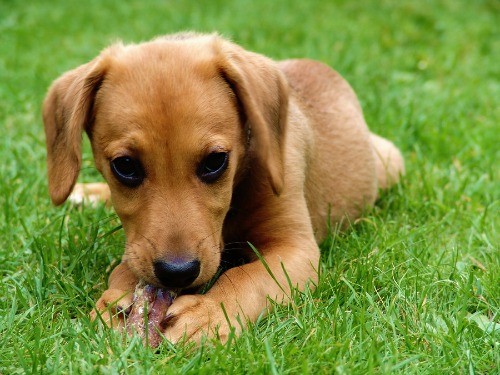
x=128 y=171
x=213 y=166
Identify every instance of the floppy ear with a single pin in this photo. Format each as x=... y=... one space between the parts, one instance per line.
x=262 y=91
x=67 y=111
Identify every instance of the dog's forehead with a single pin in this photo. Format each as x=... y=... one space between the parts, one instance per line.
x=158 y=78
x=163 y=74
x=166 y=94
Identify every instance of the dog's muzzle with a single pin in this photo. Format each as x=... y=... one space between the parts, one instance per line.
x=178 y=273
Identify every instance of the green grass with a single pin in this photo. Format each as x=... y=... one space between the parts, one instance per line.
x=413 y=288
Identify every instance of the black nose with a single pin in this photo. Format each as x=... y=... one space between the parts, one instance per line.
x=178 y=273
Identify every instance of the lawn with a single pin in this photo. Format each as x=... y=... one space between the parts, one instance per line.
x=412 y=288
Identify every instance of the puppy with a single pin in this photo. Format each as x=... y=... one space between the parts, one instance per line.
x=212 y=152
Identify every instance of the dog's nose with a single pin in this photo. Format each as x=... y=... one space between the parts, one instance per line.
x=178 y=273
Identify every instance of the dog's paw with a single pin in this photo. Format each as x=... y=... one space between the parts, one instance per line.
x=193 y=316
x=91 y=194
x=112 y=307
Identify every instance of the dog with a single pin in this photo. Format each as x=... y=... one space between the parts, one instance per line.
x=211 y=154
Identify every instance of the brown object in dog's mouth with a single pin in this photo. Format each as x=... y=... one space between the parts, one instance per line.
x=148 y=315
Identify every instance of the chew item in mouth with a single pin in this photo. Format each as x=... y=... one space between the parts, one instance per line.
x=149 y=311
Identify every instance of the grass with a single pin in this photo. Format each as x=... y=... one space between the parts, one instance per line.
x=412 y=288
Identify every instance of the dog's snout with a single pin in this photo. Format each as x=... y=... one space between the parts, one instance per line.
x=178 y=273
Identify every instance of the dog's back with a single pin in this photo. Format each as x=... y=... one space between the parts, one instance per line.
x=347 y=164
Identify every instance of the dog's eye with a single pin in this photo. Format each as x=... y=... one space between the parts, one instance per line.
x=128 y=171
x=213 y=166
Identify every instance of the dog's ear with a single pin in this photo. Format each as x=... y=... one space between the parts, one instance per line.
x=67 y=111
x=262 y=92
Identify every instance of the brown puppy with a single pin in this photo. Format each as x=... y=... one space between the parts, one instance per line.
x=205 y=147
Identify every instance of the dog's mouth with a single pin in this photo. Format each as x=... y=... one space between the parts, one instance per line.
x=186 y=286
x=181 y=272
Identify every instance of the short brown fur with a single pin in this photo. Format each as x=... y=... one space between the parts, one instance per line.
x=300 y=155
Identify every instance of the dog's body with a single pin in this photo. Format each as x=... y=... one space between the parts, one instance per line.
x=205 y=147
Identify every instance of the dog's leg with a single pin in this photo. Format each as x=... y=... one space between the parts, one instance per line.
x=92 y=193
x=241 y=294
x=390 y=163
x=115 y=301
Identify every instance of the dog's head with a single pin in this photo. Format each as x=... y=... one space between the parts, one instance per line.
x=174 y=125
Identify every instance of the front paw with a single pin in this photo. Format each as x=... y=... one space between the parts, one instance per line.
x=112 y=307
x=193 y=316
